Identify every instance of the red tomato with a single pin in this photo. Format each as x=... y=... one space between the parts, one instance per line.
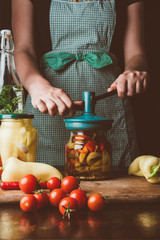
x=56 y=196
x=80 y=196
x=42 y=198
x=28 y=183
x=96 y=202
x=53 y=183
x=69 y=183
x=28 y=203
x=68 y=206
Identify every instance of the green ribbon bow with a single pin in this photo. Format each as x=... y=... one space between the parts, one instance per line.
x=58 y=61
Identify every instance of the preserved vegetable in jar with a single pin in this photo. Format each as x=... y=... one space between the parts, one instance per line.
x=88 y=155
x=18 y=138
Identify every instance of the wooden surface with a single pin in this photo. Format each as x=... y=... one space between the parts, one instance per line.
x=120 y=221
x=119 y=189
x=133 y=213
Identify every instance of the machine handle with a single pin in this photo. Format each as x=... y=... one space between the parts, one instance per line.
x=104 y=95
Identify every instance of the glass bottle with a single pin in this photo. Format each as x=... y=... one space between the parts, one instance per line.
x=11 y=90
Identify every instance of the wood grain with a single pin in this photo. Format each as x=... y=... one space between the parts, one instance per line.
x=118 y=189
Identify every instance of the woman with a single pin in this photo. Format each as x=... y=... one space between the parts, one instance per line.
x=79 y=27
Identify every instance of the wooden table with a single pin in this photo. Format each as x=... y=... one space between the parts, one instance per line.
x=133 y=212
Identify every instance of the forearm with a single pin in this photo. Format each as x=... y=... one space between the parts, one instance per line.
x=28 y=70
x=137 y=63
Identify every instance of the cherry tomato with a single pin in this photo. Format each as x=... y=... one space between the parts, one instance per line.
x=28 y=183
x=53 y=183
x=80 y=196
x=42 y=198
x=56 y=196
x=96 y=202
x=68 y=206
x=28 y=203
x=69 y=183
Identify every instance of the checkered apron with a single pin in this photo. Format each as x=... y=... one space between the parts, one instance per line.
x=79 y=26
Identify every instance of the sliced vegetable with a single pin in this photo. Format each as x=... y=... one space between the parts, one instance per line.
x=91 y=146
x=81 y=137
x=92 y=157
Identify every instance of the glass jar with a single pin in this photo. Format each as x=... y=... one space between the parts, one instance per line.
x=88 y=155
x=18 y=138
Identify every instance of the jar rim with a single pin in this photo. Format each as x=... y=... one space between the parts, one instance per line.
x=16 y=116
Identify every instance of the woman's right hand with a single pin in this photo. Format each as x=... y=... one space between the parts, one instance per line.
x=53 y=100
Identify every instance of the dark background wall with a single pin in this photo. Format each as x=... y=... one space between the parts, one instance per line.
x=146 y=106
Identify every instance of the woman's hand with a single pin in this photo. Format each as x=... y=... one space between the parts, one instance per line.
x=53 y=100
x=130 y=83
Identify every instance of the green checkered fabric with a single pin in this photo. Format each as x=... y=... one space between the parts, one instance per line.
x=84 y=27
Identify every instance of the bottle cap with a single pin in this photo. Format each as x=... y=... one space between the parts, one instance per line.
x=6 y=33
x=6 y=40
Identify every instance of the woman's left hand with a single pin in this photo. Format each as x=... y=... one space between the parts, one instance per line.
x=130 y=83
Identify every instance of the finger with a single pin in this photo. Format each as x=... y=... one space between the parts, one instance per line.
x=139 y=87
x=112 y=87
x=61 y=106
x=42 y=107
x=122 y=86
x=52 y=107
x=145 y=84
x=145 y=80
x=69 y=104
x=131 y=87
x=141 y=83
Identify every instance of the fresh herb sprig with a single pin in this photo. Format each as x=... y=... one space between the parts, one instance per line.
x=9 y=98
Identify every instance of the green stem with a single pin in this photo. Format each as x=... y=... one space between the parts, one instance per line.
x=155 y=170
x=1 y=168
x=10 y=108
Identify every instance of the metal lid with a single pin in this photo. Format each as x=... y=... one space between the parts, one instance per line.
x=88 y=120
x=16 y=116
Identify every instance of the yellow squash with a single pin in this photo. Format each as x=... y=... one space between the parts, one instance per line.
x=15 y=169
x=147 y=166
